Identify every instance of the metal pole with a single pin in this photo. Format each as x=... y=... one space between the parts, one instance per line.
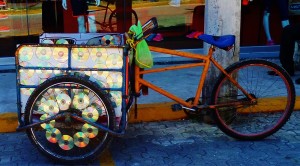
x=222 y=17
x=27 y=19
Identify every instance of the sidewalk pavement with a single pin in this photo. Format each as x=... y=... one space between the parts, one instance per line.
x=174 y=143
x=155 y=106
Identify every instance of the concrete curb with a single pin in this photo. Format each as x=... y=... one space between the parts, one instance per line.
x=145 y=113
x=155 y=112
x=8 y=122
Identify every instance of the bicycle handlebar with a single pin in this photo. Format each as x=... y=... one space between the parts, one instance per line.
x=149 y=27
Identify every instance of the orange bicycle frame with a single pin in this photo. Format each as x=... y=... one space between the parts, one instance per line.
x=206 y=60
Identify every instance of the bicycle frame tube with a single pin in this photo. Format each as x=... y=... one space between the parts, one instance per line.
x=232 y=80
x=139 y=82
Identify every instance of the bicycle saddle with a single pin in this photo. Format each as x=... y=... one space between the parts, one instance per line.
x=224 y=42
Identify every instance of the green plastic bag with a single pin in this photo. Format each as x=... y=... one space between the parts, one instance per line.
x=143 y=57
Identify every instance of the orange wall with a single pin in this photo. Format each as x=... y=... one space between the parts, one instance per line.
x=70 y=22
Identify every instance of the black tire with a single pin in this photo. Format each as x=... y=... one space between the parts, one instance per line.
x=275 y=100
x=112 y=21
x=131 y=85
x=76 y=95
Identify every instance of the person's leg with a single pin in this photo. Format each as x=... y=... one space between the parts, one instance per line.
x=267 y=5
x=92 y=25
x=284 y=12
x=266 y=25
x=289 y=35
x=80 y=8
x=81 y=24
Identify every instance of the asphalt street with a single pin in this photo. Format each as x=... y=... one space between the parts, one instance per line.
x=175 y=143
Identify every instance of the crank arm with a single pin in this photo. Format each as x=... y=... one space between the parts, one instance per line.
x=99 y=126
x=57 y=116
x=187 y=108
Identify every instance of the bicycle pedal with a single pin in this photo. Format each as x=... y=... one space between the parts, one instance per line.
x=144 y=90
x=176 y=107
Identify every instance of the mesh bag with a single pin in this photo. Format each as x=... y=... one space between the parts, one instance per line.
x=143 y=57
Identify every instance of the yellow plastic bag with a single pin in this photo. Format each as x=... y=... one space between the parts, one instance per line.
x=143 y=57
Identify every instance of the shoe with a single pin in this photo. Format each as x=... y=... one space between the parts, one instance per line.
x=2 y=3
x=272 y=73
x=174 y=3
x=245 y=2
x=158 y=37
x=270 y=43
x=297 y=81
x=191 y=35
x=3 y=16
x=4 y=29
x=150 y=37
x=196 y=35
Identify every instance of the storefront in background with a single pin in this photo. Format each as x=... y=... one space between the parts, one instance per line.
x=180 y=21
x=23 y=22
x=294 y=7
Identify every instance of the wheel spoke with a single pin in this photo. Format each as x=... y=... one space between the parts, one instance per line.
x=66 y=138
x=275 y=97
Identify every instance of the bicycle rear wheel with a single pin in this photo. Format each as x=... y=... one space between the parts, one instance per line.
x=113 y=20
x=275 y=100
x=67 y=139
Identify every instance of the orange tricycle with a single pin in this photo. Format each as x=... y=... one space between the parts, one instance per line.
x=73 y=99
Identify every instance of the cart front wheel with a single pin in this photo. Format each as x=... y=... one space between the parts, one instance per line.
x=67 y=139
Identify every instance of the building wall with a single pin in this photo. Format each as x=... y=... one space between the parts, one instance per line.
x=174 y=22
